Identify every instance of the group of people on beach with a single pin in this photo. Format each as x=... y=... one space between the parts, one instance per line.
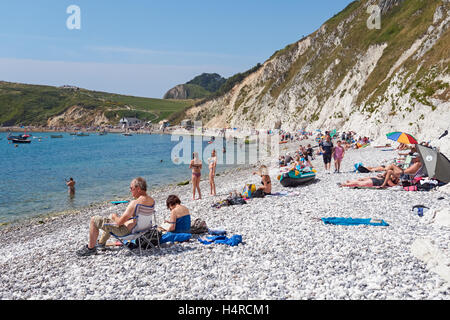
x=330 y=151
x=392 y=173
x=123 y=225
x=196 y=166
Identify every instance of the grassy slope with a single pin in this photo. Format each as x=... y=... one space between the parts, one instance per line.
x=400 y=28
x=34 y=104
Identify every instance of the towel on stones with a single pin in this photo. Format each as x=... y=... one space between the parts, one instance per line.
x=174 y=237
x=232 y=241
x=354 y=221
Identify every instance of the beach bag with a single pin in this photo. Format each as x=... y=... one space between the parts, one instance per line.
x=237 y=200
x=426 y=186
x=153 y=238
x=258 y=194
x=249 y=189
x=199 y=226
x=410 y=188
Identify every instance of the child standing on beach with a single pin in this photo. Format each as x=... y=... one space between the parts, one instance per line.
x=338 y=155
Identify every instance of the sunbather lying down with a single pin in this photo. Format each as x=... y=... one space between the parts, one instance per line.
x=372 y=182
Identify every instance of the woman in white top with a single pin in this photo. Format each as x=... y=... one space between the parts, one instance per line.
x=212 y=172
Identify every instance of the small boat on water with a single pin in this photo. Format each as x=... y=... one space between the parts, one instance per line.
x=56 y=136
x=10 y=137
x=127 y=134
x=82 y=134
x=21 y=141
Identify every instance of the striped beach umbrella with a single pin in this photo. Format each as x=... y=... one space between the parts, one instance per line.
x=402 y=137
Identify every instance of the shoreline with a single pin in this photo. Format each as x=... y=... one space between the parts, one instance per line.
x=287 y=252
x=50 y=216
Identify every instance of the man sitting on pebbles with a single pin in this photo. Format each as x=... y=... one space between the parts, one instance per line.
x=120 y=226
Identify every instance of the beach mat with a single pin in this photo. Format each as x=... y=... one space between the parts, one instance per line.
x=119 y=202
x=354 y=221
x=373 y=188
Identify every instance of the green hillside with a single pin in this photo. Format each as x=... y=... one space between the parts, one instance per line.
x=211 y=82
x=23 y=104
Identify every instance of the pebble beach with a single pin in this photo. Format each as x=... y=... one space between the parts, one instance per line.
x=287 y=252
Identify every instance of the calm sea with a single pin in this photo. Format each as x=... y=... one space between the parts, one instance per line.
x=32 y=176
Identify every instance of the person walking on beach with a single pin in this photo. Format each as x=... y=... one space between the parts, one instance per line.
x=212 y=172
x=120 y=226
x=326 y=147
x=338 y=155
x=196 y=166
x=71 y=186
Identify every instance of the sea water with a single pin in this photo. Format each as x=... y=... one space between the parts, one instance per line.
x=32 y=176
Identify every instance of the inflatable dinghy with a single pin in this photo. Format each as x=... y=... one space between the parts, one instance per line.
x=291 y=179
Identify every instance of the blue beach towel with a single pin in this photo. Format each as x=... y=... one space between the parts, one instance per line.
x=354 y=221
x=174 y=237
x=119 y=202
x=233 y=241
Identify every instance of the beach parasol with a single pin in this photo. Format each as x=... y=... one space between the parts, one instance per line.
x=402 y=137
x=436 y=164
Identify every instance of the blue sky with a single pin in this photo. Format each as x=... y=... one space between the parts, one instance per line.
x=145 y=47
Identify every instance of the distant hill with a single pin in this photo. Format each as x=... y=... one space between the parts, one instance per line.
x=24 y=104
x=201 y=86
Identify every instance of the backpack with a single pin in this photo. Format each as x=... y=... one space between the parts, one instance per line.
x=258 y=194
x=199 y=226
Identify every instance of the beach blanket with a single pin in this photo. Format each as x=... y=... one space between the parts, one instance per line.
x=283 y=194
x=232 y=241
x=354 y=221
x=174 y=237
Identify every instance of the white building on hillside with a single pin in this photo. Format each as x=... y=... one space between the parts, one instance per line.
x=129 y=122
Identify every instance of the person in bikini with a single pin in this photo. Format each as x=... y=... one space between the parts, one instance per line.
x=196 y=166
x=119 y=225
x=371 y=182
